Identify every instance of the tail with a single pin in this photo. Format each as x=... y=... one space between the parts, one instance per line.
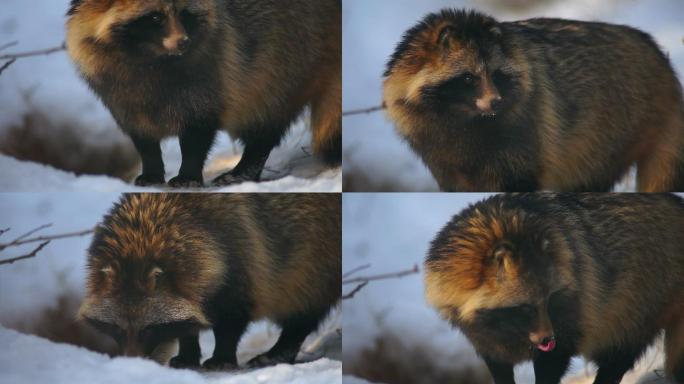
x=328 y=145
x=326 y=120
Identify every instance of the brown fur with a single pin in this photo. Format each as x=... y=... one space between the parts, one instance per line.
x=251 y=71
x=604 y=272
x=580 y=103
x=166 y=258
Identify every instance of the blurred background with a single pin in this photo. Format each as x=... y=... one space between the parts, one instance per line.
x=40 y=295
x=390 y=334
x=375 y=158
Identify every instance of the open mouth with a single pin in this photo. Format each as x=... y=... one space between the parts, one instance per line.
x=547 y=345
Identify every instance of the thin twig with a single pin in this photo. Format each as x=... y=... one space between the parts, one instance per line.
x=364 y=110
x=2 y=231
x=6 y=65
x=26 y=256
x=18 y=242
x=38 y=52
x=355 y=290
x=31 y=232
x=8 y=45
x=383 y=276
x=354 y=270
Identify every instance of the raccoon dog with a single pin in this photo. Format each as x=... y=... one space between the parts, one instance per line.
x=544 y=277
x=163 y=266
x=187 y=68
x=536 y=104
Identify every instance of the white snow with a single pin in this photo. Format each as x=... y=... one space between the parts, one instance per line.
x=371 y=31
x=50 y=84
x=28 y=359
x=29 y=287
x=392 y=232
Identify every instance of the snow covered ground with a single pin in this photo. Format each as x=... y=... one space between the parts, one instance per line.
x=376 y=159
x=392 y=232
x=30 y=287
x=49 y=86
x=28 y=359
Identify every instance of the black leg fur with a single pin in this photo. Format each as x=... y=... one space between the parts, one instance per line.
x=550 y=367
x=195 y=143
x=613 y=364
x=188 y=352
x=227 y=334
x=285 y=350
x=152 y=163
x=502 y=373
x=250 y=166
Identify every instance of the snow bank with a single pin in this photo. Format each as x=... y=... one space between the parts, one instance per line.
x=16 y=176
x=29 y=359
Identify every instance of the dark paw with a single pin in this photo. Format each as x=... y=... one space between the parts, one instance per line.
x=265 y=360
x=214 y=364
x=148 y=180
x=184 y=362
x=229 y=178
x=186 y=182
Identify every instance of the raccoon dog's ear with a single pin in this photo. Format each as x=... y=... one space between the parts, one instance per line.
x=154 y=277
x=445 y=35
x=495 y=31
x=503 y=258
x=502 y=252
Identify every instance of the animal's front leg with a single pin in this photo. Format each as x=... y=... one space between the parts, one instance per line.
x=549 y=367
x=189 y=352
x=257 y=149
x=227 y=334
x=195 y=143
x=152 y=163
x=502 y=373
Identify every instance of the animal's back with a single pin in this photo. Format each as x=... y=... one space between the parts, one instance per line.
x=630 y=266
x=285 y=52
x=609 y=95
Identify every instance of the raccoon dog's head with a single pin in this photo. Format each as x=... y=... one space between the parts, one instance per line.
x=143 y=29
x=453 y=64
x=149 y=271
x=499 y=268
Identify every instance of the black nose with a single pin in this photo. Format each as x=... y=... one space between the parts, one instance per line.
x=183 y=43
x=546 y=340
x=495 y=103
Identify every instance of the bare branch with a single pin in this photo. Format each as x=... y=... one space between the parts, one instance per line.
x=31 y=232
x=354 y=291
x=364 y=110
x=354 y=270
x=24 y=240
x=39 y=52
x=6 y=65
x=383 y=276
x=8 y=45
x=363 y=281
x=26 y=256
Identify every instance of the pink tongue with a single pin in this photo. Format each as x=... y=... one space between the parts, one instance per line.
x=547 y=347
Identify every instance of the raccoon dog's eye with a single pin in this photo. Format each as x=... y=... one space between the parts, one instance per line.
x=112 y=330
x=155 y=17
x=468 y=79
